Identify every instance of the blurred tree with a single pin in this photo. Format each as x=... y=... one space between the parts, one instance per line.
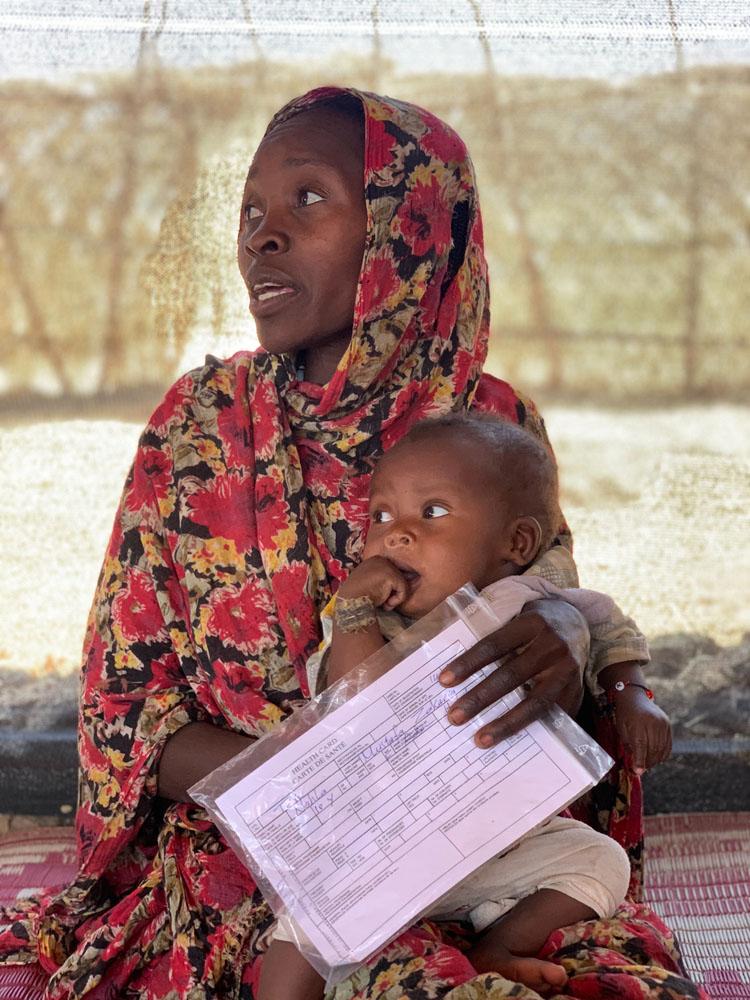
x=616 y=218
x=503 y=128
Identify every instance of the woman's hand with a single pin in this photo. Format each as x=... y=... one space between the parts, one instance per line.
x=643 y=727
x=545 y=648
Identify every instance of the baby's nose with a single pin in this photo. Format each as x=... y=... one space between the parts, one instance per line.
x=398 y=536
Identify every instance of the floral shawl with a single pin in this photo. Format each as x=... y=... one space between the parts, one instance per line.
x=244 y=509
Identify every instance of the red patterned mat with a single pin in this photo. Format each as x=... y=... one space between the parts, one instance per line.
x=31 y=860
x=35 y=859
x=697 y=878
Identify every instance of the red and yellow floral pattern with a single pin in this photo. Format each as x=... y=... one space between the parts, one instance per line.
x=243 y=511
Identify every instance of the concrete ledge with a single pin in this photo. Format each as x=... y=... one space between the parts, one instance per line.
x=38 y=772
x=38 y=775
x=711 y=775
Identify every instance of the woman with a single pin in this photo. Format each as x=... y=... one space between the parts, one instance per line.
x=244 y=510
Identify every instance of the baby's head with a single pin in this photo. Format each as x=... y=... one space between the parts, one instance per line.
x=461 y=499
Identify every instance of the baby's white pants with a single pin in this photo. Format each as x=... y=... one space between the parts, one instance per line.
x=561 y=854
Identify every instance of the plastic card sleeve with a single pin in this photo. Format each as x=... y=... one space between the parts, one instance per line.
x=365 y=806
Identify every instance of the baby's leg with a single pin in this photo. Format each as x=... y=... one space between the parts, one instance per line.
x=509 y=945
x=559 y=874
x=285 y=975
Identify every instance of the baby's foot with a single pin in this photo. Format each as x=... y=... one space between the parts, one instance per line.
x=490 y=955
x=532 y=972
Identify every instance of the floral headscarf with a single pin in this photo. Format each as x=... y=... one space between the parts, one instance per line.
x=421 y=317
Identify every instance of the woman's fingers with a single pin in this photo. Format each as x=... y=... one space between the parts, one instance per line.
x=510 y=638
x=547 y=686
x=529 y=710
x=543 y=658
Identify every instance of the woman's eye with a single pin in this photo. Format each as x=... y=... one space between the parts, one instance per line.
x=435 y=510
x=381 y=517
x=308 y=198
x=251 y=212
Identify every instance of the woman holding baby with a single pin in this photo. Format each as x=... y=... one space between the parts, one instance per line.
x=244 y=512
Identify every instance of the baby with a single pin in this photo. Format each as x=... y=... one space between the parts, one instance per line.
x=475 y=499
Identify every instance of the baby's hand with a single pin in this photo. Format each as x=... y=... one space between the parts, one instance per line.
x=378 y=579
x=643 y=728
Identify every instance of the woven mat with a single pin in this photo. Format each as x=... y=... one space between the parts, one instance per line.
x=698 y=880
x=31 y=860
x=36 y=859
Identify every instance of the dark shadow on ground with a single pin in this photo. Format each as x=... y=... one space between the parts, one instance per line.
x=704 y=687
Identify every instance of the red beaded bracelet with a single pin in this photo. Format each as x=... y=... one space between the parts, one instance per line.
x=621 y=685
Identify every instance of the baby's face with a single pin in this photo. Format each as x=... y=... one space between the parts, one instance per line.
x=437 y=515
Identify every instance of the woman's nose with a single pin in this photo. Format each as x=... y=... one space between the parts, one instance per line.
x=268 y=237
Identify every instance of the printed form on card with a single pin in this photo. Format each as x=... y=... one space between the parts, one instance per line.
x=367 y=818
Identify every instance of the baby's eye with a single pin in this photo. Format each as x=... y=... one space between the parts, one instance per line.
x=381 y=517
x=251 y=212
x=307 y=197
x=435 y=510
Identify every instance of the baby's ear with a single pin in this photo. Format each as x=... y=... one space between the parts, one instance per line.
x=525 y=540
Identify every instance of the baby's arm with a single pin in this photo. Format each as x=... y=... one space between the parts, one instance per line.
x=375 y=583
x=641 y=725
x=618 y=652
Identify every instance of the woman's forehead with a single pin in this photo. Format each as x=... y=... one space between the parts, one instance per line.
x=320 y=135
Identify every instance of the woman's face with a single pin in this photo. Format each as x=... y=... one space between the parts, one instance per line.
x=302 y=237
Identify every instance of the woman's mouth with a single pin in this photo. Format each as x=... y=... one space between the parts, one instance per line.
x=267 y=297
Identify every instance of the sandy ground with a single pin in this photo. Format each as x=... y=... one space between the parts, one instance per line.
x=658 y=501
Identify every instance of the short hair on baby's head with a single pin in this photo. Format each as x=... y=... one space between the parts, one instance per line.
x=523 y=468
